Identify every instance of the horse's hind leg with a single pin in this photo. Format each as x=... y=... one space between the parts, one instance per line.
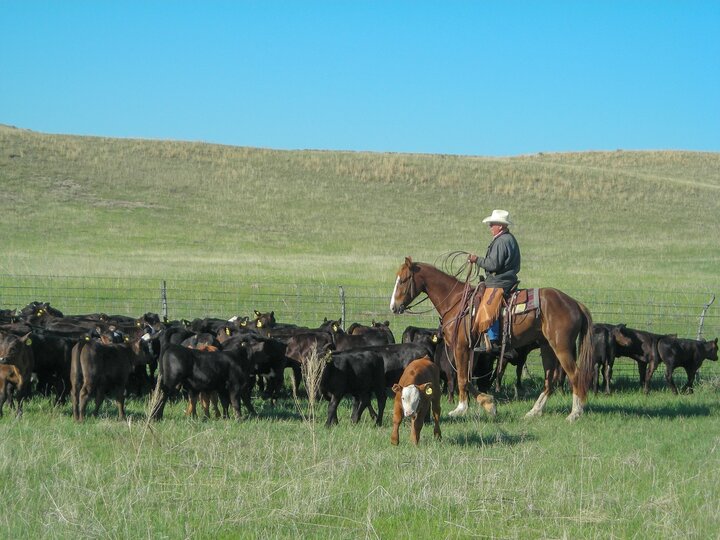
x=550 y=366
x=566 y=357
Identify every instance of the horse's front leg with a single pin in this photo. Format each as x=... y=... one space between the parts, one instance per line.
x=462 y=358
x=465 y=387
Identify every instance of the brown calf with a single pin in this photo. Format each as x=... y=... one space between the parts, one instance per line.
x=417 y=391
x=10 y=378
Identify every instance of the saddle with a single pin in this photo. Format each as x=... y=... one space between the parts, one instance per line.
x=520 y=301
x=516 y=302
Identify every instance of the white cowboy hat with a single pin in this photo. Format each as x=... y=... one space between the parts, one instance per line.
x=498 y=216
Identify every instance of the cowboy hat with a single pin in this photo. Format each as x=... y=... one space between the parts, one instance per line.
x=498 y=216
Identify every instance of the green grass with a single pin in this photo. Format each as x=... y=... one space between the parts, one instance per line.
x=632 y=234
x=634 y=466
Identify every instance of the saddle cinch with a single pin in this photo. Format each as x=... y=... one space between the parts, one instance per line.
x=516 y=302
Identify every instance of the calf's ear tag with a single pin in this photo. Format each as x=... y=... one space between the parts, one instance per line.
x=434 y=338
x=28 y=341
x=87 y=338
x=259 y=324
x=428 y=391
x=227 y=331
x=335 y=327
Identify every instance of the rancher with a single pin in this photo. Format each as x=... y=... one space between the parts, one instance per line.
x=501 y=264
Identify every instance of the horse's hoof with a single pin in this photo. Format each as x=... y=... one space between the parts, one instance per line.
x=533 y=414
x=573 y=416
x=459 y=410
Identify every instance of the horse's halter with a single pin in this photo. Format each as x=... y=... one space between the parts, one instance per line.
x=411 y=293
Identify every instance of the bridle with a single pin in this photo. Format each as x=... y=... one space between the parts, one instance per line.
x=413 y=294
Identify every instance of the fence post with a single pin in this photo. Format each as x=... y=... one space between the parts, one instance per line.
x=702 y=316
x=163 y=299
x=342 y=306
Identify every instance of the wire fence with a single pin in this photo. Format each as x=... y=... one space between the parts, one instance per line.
x=689 y=314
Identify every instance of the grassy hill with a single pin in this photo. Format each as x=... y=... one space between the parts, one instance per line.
x=117 y=207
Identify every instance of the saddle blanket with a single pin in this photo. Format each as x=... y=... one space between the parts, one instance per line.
x=522 y=301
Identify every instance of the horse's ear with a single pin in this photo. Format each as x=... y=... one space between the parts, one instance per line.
x=408 y=261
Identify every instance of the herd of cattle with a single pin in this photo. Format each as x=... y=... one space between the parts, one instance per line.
x=95 y=356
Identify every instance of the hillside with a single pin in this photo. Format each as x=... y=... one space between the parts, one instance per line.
x=117 y=207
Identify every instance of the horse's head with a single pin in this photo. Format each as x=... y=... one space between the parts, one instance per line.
x=405 y=289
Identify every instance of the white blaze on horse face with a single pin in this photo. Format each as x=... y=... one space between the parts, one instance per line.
x=393 y=305
x=410 y=398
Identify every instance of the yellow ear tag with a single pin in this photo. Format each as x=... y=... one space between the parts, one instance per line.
x=434 y=338
x=28 y=341
x=428 y=391
x=87 y=338
x=335 y=327
x=227 y=331
x=127 y=339
x=40 y=312
x=259 y=324
x=244 y=323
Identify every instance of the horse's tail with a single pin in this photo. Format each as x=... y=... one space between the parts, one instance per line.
x=586 y=367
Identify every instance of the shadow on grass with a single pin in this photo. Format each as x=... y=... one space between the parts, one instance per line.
x=476 y=439
x=670 y=410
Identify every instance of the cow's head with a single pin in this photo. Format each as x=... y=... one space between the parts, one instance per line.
x=411 y=396
x=13 y=347
x=711 y=349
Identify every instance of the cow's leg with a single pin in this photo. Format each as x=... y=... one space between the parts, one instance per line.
x=75 y=401
x=235 y=402
x=518 y=378
x=642 y=373
x=500 y=372
x=99 y=398
x=397 y=420
x=648 y=376
x=85 y=393
x=416 y=424
x=357 y=408
x=607 y=374
x=332 y=418
x=690 y=380
x=450 y=383
x=436 y=418
x=121 y=404
x=3 y=397
x=381 y=397
x=192 y=404
x=225 y=403
x=246 y=398
x=669 y=379
x=214 y=402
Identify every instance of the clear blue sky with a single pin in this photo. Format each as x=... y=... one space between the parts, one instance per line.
x=478 y=78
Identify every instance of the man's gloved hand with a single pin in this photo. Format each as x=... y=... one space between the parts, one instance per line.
x=472 y=258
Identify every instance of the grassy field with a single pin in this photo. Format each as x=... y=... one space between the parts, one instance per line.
x=634 y=467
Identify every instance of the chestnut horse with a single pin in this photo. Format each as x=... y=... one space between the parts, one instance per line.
x=561 y=323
